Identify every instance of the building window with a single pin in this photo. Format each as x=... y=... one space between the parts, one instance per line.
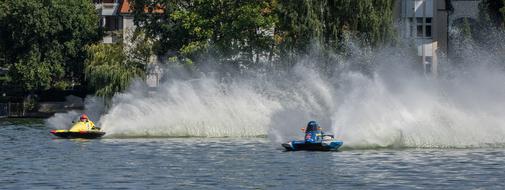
x=419 y=30
x=428 y=20
x=111 y=23
x=423 y=27
x=427 y=27
x=428 y=30
x=419 y=27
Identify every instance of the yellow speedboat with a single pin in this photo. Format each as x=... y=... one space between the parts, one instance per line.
x=82 y=129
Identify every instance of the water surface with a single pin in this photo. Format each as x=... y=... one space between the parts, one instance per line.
x=31 y=158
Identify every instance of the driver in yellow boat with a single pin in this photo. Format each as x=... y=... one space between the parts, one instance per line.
x=84 y=124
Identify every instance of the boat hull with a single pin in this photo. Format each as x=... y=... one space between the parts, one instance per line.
x=302 y=145
x=77 y=134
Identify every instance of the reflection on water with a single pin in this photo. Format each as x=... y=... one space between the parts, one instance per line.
x=32 y=159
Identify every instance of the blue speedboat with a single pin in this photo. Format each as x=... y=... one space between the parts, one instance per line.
x=315 y=139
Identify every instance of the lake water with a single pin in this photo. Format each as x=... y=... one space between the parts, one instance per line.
x=31 y=158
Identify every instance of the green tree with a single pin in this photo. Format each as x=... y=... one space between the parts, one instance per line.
x=2 y=35
x=43 y=41
x=329 y=22
x=493 y=11
x=110 y=68
x=466 y=29
x=232 y=30
x=245 y=31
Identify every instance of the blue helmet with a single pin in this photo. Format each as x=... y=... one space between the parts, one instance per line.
x=312 y=126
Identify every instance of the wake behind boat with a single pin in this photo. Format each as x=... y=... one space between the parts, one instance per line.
x=84 y=128
x=315 y=140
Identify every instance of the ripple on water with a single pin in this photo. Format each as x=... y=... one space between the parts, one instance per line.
x=32 y=159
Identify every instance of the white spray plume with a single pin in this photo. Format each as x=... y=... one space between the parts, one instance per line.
x=394 y=105
x=201 y=107
x=94 y=108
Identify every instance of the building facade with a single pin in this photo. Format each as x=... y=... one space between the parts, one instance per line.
x=115 y=19
x=425 y=22
x=428 y=24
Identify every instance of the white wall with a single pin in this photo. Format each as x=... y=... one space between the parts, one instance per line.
x=425 y=46
x=421 y=8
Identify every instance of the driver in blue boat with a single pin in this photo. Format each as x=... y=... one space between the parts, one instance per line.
x=313 y=133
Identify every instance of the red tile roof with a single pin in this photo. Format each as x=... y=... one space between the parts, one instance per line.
x=125 y=8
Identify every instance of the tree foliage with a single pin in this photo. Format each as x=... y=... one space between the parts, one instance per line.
x=330 y=23
x=110 y=68
x=246 y=30
x=493 y=11
x=43 y=41
x=224 y=29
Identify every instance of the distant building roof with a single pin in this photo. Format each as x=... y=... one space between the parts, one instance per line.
x=126 y=8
